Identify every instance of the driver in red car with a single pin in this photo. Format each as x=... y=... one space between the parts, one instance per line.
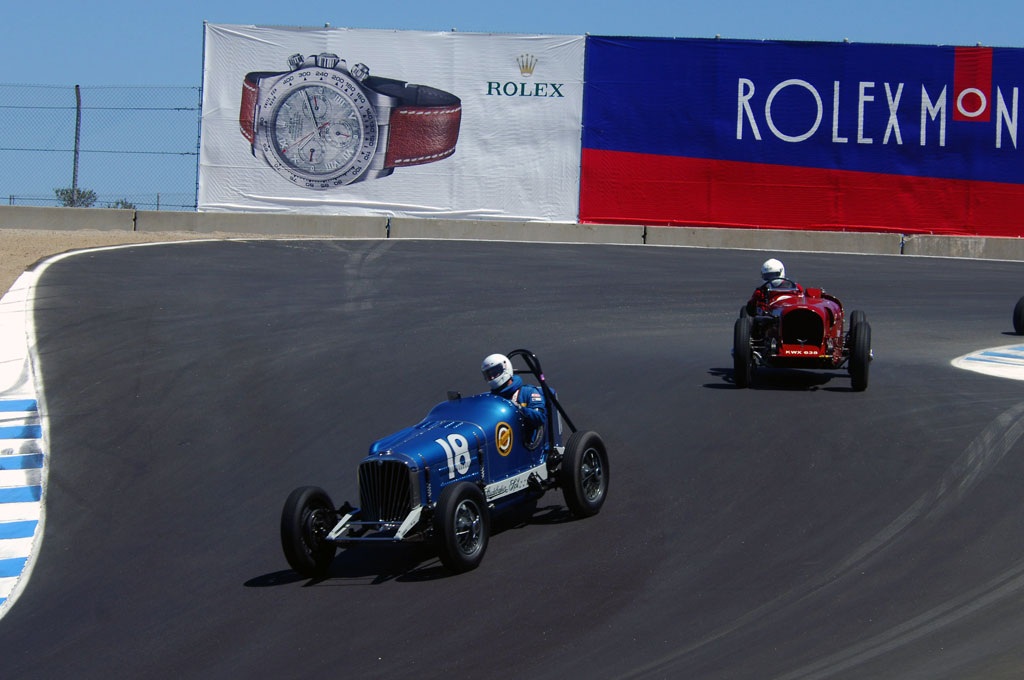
x=773 y=273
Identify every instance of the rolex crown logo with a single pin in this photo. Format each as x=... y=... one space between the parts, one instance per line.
x=526 y=63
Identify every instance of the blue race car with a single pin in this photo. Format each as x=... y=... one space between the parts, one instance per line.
x=441 y=479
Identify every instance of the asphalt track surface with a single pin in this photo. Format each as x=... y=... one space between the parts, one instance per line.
x=793 y=530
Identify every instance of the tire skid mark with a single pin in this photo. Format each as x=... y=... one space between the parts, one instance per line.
x=1006 y=584
x=980 y=457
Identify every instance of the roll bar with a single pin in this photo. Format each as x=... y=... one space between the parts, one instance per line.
x=534 y=369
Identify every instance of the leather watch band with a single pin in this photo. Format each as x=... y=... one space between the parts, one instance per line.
x=424 y=126
x=247 y=110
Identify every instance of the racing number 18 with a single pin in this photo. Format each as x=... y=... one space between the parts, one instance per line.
x=456 y=448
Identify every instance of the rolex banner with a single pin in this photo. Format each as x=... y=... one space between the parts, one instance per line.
x=730 y=133
x=397 y=123
x=803 y=135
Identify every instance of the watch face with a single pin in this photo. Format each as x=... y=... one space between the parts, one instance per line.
x=317 y=128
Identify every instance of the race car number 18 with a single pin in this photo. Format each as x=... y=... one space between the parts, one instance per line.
x=456 y=448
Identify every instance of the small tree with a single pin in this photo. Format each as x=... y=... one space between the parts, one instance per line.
x=86 y=198
x=122 y=203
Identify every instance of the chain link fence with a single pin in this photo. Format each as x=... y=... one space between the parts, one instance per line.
x=104 y=147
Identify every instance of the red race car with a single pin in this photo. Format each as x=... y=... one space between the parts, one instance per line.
x=789 y=326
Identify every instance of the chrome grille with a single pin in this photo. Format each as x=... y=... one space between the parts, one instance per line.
x=385 y=490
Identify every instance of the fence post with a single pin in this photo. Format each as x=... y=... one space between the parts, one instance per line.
x=78 y=134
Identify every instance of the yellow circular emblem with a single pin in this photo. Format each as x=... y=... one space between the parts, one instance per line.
x=503 y=438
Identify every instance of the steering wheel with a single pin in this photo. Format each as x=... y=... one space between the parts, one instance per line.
x=791 y=284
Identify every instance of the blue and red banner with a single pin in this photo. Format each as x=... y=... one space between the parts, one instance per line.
x=799 y=135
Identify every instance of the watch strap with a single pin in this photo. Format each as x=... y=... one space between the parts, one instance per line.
x=247 y=111
x=424 y=127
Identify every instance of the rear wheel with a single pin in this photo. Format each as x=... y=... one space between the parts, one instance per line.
x=860 y=355
x=462 y=525
x=1018 y=317
x=308 y=516
x=742 y=355
x=583 y=475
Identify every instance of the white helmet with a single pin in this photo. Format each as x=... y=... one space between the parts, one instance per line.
x=773 y=269
x=497 y=370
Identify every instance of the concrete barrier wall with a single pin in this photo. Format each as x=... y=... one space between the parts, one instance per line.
x=776 y=239
x=261 y=223
x=66 y=219
x=341 y=226
x=516 y=231
x=976 y=247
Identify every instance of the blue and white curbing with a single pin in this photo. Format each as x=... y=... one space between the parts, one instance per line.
x=1005 y=362
x=23 y=456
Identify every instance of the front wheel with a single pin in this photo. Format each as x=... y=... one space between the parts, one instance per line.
x=1018 y=317
x=742 y=354
x=584 y=474
x=308 y=516
x=860 y=355
x=856 y=317
x=462 y=524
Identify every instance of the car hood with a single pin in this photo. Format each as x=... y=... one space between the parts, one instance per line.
x=474 y=418
x=823 y=306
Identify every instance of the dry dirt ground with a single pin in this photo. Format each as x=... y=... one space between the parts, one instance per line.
x=21 y=248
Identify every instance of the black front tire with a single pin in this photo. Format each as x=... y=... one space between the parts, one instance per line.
x=584 y=474
x=742 y=355
x=462 y=525
x=860 y=355
x=308 y=516
x=1018 y=317
x=856 y=317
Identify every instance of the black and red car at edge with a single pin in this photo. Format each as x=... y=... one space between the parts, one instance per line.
x=791 y=327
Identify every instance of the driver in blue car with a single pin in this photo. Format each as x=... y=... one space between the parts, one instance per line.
x=773 y=273
x=497 y=370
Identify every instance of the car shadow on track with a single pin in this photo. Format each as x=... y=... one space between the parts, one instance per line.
x=785 y=379
x=407 y=562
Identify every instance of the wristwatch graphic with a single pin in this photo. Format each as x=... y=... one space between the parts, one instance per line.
x=322 y=125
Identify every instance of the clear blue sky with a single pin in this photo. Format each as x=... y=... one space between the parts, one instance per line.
x=65 y=42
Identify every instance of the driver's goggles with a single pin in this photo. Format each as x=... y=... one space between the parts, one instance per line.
x=493 y=372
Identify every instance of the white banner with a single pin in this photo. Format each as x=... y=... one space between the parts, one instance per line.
x=399 y=123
